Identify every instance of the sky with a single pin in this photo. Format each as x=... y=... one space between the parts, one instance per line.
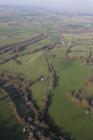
x=64 y=4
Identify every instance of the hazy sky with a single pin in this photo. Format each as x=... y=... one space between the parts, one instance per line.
x=66 y=4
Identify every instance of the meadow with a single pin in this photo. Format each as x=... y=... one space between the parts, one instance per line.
x=9 y=125
x=72 y=69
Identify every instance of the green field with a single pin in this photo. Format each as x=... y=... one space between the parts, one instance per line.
x=9 y=125
x=72 y=71
x=67 y=114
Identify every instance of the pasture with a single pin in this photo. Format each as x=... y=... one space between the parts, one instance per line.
x=9 y=125
x=69 y=48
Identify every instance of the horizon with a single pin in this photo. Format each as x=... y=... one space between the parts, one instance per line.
x=74 y=5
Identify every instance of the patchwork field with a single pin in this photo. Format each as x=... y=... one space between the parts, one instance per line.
x=46 y=66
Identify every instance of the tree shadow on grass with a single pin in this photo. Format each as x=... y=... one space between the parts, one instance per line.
x=56 y=129
x=10 y=131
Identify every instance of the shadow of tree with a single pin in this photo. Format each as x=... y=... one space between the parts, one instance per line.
x=10 y=131
x=56 y=129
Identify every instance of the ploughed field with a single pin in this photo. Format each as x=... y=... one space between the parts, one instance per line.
x=28 y=49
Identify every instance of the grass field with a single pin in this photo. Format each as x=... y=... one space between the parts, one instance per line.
x=10 y=127
x=72 y=75
x=33 y=66
x=72 y=71
x=67 y=114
